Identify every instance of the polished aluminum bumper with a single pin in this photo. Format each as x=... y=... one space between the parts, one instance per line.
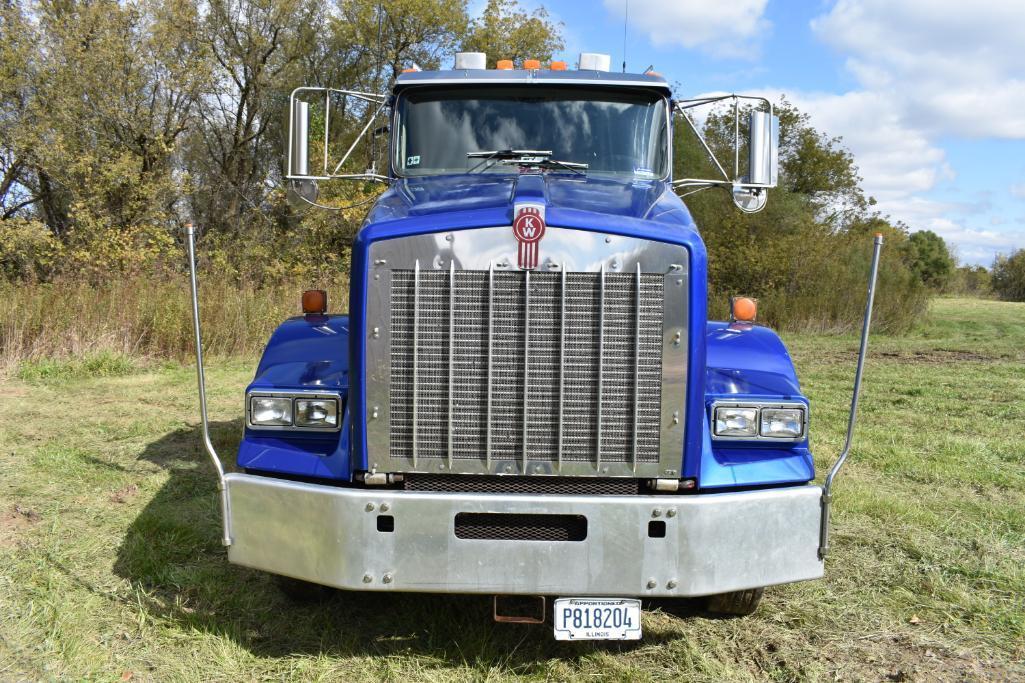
x=713 y=543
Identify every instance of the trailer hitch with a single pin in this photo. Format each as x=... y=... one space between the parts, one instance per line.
x=190 y=232
x=827 y=487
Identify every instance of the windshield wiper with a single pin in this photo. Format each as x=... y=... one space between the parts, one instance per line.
x=522 y=157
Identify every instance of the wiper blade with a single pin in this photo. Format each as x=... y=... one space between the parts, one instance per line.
x=522 y=157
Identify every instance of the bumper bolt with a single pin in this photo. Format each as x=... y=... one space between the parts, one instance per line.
x=370 y=507
x=671 y=583
x=657 y=512
x=671 y=512
x=387 y=578
x=385 y=507
x=652 y=583
x=367 y=578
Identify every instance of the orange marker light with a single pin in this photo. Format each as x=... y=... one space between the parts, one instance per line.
x=652 y=73
x=558 y=66
x=409 y=71
x=314 y=302
x=505 y=64
x=531 y=64
x=743 y=309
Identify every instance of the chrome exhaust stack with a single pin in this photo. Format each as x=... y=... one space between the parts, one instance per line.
x=190 y=232
x=827 y=487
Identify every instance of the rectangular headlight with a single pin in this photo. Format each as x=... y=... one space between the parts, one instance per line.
x=270 y=411
x=736 y=421
x=782 y=423
x=316 y=412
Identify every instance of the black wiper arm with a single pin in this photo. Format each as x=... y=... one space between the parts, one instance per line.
x=492 y=157
x=523 y=157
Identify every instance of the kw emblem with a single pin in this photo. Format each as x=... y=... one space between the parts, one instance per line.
x=528 y=229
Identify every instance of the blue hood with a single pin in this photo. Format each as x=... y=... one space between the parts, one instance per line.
x=571 y=200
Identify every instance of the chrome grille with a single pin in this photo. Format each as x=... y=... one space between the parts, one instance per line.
x=531 y=368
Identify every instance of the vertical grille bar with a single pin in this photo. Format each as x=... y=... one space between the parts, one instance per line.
x=637 y=367
x=562 y=357
x=491 y=344
x=526 y=364
x=601 y=358
x=416 y=346
x=451 y=350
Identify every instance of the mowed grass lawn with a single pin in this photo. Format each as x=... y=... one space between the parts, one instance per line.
x=110 y=566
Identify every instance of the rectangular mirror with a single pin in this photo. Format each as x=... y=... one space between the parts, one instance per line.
x=763 y=149
x=299 y=143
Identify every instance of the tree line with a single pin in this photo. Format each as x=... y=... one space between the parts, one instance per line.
x=120 y=121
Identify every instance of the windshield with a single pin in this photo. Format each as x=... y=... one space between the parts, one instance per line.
x=616 y=132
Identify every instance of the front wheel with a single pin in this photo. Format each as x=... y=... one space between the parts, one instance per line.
x=737 y=603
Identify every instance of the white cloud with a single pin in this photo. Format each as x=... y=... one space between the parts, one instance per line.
x=926 y=69
x=1018 y=190
x=728 y=29
x=949 y=66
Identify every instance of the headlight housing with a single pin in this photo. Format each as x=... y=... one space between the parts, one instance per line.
x=758 y=421
x=270 y=411
x=295 y=411
x=316 y=412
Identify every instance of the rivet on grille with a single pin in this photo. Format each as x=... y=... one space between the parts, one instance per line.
x=676 y=417
x=377 y=276
x=679 y=282
x=367 y=578
x=652 y=583
x=671 y=583
x=370 y=507
x=508 y=469
x=380 y=262
x=449 y=237
x=607 y=239
x=377 y=332
x=676 y=339
x=373 y=413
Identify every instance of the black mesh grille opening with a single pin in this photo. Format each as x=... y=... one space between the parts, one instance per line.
x=564 y=486
x=517 y=527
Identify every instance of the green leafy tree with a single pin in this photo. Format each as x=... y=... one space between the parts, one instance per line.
x=1008 y=276
x=929 y=259
x=506 y=31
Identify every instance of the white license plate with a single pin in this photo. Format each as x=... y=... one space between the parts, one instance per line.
x=597 y=619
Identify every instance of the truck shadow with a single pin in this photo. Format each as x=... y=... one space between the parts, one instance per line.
x=171 y=552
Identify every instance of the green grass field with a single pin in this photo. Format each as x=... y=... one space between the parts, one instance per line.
x=110 y=566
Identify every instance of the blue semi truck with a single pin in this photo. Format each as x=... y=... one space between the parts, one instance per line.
x=526 y=398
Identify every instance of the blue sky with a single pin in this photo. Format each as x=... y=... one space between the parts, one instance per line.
x=929 y=95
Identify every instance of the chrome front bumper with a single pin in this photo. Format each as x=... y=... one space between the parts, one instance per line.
x=713 y=543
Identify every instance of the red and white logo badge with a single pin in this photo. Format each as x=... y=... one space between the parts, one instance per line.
x=529 y=228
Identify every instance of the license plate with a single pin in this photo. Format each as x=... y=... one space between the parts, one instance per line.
x=597 y=619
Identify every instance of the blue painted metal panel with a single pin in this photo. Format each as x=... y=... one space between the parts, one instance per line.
x=748 y=362
x=304 y=353
x=644 y=209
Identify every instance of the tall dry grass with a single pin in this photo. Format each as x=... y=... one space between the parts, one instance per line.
x=142 y=317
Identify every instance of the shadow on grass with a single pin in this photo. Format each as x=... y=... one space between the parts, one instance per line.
x=172 y=552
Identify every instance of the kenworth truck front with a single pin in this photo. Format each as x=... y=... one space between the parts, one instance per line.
x=526 y=398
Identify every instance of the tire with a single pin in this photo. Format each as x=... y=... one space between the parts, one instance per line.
x=737 y=603
x=302 y=592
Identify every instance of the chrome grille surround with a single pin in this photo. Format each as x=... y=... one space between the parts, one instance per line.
x=605 y=340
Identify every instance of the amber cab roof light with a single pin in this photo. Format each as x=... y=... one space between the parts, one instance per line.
x=743 y=309
x=315 y=302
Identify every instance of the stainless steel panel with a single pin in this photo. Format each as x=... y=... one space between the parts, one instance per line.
x=713 y=544
x=565 y=390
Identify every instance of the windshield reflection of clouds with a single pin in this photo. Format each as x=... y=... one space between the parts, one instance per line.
x=612 y=136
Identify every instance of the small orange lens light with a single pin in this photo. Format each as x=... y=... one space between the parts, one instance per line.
x=743 y=309
x=531 y=64
x=505 y=64
x=409 y=71
x=558 y=66
x=314 y=302
x=652 y=73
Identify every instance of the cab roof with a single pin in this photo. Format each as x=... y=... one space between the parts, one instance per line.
x=530 y=76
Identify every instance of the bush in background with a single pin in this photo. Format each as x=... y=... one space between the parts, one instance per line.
x=1008 y=278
